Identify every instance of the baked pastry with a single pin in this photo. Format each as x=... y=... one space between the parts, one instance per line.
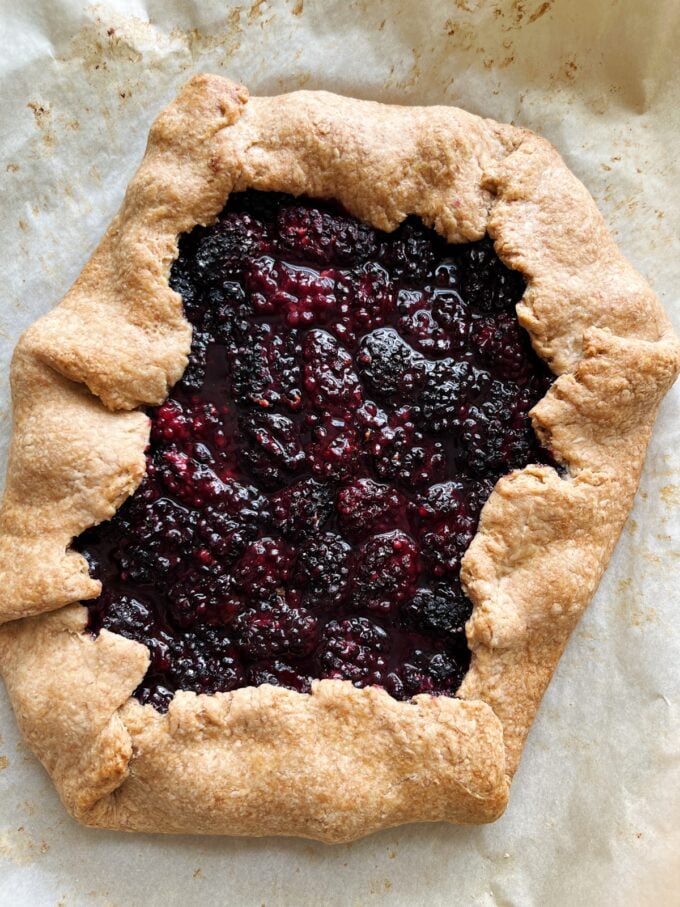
x=245 y=469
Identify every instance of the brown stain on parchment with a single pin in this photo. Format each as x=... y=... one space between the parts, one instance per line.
x=29 y=807
x=97 y=45
x=499 y=51
x=228 y=38
x=380 y=886
x=630 y=611
x=42 y=113
x=499 y=38
x=670 y=495
x=511 y=13
x=569 y=70
x=114 y=43
x=18 y=846
x=541 y=11
x=521 y=12
x=4 y=763
x=255 y=10
x=464 y=34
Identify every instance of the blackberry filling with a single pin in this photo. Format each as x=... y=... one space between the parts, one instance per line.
x=316 y=476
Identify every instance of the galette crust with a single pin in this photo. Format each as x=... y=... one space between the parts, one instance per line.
x=341 y=762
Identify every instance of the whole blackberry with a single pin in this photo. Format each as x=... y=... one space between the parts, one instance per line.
x=354 y=649
x=275 y=629
x=387 y=570
x=221 y=252
x=433 y=673
x=323 y=570
x=265 y=370
x=402 y=453
x=410 y=251
x=449 y=386
x=202 y=597
x=440 y=612
x=155 y=540
x=264 y=566
x=365 y=506
x=323 y=237
x=486 y=283
x=329 y=375
x=335 y=453
x=302 y=509
x=206 y=661
x=128 y=616
x=271 y=450
x=389 y=366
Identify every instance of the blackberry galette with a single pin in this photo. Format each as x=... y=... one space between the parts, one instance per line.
x=315 y=476
x=316 y=467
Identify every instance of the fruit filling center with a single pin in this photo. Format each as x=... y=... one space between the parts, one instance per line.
x=317 y=474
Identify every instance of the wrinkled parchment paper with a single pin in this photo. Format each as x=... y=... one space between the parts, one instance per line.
x=594 y=817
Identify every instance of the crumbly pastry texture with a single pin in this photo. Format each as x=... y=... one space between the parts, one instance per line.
x=341 y=762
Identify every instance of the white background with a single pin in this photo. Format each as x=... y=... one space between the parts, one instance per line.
x=594 y=817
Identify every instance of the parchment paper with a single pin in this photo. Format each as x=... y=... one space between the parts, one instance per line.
x=594 y=817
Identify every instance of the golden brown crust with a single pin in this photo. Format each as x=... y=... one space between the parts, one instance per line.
x=341 y=762
x=71 y=464
x=333 y=765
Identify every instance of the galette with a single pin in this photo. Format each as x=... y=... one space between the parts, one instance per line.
x=316 y=467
